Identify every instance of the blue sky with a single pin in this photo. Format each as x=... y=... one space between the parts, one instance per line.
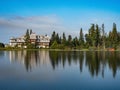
x=44 y=16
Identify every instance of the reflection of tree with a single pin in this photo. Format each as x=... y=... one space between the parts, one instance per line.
x=1 y=54
x=98 y=60
x=95 y=61
x=55 y=57
x=31 y=59
x=27 y=60
x=103 y=62
x=81 y=59
x=114 y=61
x=69 y=56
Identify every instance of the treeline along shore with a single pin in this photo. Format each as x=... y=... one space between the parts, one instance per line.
x=95 y=39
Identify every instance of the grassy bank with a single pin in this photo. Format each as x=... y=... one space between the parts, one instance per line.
x=65 y=49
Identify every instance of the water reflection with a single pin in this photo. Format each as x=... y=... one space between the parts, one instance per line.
x=30 y=59
x=95 y=62
x=1 y=54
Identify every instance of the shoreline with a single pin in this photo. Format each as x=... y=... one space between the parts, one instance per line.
x=16 y=49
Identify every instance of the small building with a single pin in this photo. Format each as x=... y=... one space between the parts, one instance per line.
x=41 y=41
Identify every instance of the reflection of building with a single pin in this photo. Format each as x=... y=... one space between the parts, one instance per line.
x=17 y=56
x=31 y=59
x=40 y=41
x=94 y=62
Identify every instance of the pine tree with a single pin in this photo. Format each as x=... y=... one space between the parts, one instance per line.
x=69 y=38
x=110 y=39
x=92 y=35
x=114 y=36
x=57 y=38
x=88 y=40
x=27 y=37
x=53 y=38
x=114 y=33
x=2 y=45
x=103 y=36
x=64 y=39
x=75 y=42
x=69 y=41
x=81 y=38
x=60 y=40
x=97 y=36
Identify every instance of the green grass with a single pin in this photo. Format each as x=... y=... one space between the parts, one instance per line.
x=65 y=49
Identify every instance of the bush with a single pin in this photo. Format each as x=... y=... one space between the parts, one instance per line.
x=2 y=45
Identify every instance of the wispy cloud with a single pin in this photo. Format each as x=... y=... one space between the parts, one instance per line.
x=33 y=22
x=14 y=26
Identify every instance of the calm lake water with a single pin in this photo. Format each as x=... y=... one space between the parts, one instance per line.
x=59 y=70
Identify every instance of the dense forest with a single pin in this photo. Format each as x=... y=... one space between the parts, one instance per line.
x=96 y=38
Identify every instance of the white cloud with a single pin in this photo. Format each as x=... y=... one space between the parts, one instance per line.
x=35 y=22
x=17 y=26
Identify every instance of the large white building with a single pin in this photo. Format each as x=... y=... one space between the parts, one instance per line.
x=41 y=41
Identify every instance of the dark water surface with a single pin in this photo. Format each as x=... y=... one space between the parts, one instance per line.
x=59 y=70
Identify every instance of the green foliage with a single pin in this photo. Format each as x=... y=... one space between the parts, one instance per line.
x=27 y=37
x=58 y=39
x=96 y=38
x=103 y=37
x=92 y=34
x=113 y=37
x=55 y=45
x=88 y=40
x=81 y=38
x=64 y=39
x=27 y=40
x=31 y=46
x=75 y=42
x=53 y=38
x=2 y=45
x=69 y=41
